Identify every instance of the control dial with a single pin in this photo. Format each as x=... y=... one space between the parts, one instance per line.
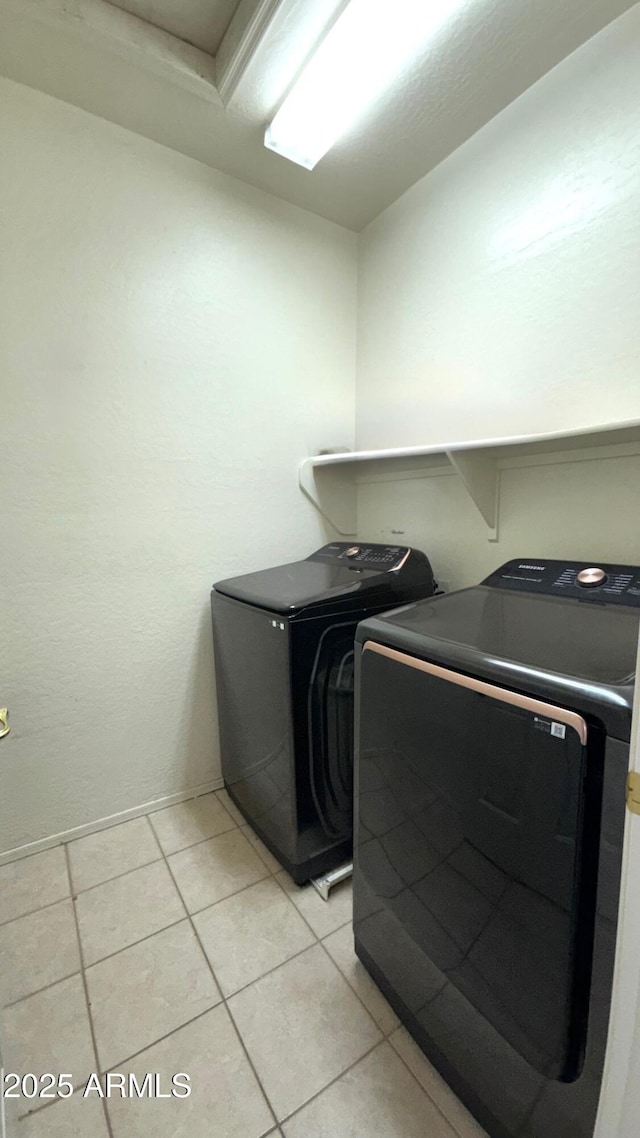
x=353 y=551
x=591 y=578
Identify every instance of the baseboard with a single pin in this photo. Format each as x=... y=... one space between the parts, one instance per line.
x=112 y=820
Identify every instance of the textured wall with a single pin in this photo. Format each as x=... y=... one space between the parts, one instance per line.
x=501 y=294
x=173 y=342
x=577 y=510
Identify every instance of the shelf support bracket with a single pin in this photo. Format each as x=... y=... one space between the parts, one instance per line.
x=333 y=493
x=479 y=472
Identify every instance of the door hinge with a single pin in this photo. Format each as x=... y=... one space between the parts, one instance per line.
x=633 y=792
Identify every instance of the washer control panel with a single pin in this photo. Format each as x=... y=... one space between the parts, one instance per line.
x=354 y=556
x=606 y=584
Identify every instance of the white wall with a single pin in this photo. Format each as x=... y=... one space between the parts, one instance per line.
x=500 y=296
x=173 y=342
x=585 y=511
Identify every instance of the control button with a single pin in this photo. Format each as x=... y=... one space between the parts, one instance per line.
x=353 y=551
x=591 y=578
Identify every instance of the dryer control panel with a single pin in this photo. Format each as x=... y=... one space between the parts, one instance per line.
x=603 y=584
x=351 y=554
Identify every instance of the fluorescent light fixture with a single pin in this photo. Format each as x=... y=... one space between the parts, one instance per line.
x=366 y=46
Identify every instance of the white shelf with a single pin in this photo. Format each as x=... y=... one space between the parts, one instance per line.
x=329 y=480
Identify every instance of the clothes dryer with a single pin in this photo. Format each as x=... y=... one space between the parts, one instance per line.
x=492 y=749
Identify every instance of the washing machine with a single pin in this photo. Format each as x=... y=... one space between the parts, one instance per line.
x=492 y=750
x=284 y=658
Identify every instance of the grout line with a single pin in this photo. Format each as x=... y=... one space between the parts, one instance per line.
x=78 y=1088
x=199 y=842
x=162 y=856
x=161 y=853
x=167 y=1035
x=360 y=1001
x=74 y=893
x=385 y=1034
x=181 y=920
x=27 y=856
x=336 y=1079
x=39 y=991
x=380 y=1043
x=40 y=909
x=227 y=806
x=86 y=995
x=441 y=1112
x=106 y=831
x=42 y=1106
x=45 y=845
x=245 y=829
x=252 y=1065
x=269 y=874
x=125 y=947
x=154 y=835
x=228 y=1010
x=318 y=942
x=116 y=877
x=268 y=1134
x=141 y=940
x=385 y=1037
x=268 y=972
x=299 y=911
x=212 y=904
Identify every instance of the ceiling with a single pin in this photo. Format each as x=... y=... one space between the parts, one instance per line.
x=201 y=23
x=204 y=77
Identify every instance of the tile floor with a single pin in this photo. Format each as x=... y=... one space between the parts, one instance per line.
x=175 y=943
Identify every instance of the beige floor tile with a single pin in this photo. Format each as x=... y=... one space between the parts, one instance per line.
x=183 y=825
x=72 y=1118
x=225 y=1101
x=248 y=934
x=111 y=852
x=49 y=1032
x=378 y=1098
x=271 y=862
x=231 y=807
x=148 y=990
x=118 y=913
x=37 y=950
x=302 y=1026
x=323 y=916
x=339 y=945
x=435 y=1086
x=33 y=882
x=212 y=870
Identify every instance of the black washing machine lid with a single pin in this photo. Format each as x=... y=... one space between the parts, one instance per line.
x=328 y=579
x=582 y=655
x=289 y=588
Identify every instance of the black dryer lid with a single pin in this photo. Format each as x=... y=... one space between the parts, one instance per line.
x=571 y=653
